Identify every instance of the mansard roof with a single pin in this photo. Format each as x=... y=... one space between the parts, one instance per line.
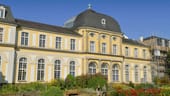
x=133 y=42
x=8 y=15
x=46 y=27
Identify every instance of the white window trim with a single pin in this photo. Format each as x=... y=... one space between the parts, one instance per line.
x=104 y=47
x=24 y=37
x=3 y=10
x=60 y=42
x=93 y=49
x=25 y=69
x=39 y=40
x=116 y=49
x=103 y=21
x=73 y=44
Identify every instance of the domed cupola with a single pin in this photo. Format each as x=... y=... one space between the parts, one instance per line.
x=90 y=18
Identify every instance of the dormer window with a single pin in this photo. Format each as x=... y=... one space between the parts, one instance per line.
x=103 y=36
x=2 y=12
x=103 y=21
x=91 y=34
x=114 y=38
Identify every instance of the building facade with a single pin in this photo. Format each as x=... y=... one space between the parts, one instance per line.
x=89 y=43
x=159 y=48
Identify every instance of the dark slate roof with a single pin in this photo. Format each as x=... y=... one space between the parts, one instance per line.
x=151 y=37
x=8 y=15
x=90 y=18
x=41 y=26
x=133 y=42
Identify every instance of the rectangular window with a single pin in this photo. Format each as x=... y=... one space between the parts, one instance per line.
x=42 y=40
x=58 y=42
x=144 y=53
x=163 y=42
x=127 y=73
x=2 y=12
x=135 y=52
x=92 y=46
x=1 y=35
x=103 y=48
x=24 y=38
x=114 y=49
x=126 y=51
x=72 y=44
x=0 y=62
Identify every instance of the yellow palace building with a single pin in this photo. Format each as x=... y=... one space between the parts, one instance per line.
x=88 y=43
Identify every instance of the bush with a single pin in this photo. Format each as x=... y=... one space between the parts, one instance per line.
x=95 y=81
x=53 y=91
x=9 y=89
x=70 y=82
x=144 y=86
x=82 y=81
x=58 y=83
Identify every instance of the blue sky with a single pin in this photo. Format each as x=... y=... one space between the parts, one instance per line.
x=136 y=17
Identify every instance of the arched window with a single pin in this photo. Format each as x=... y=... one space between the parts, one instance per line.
x=92 y=68
x=72 y=68
x=145 y=74
x=136 y=73
x=22 y=69
x=115 y=74
x=40 y=69
x=104 y=69
x=57 y=69
x=127 y=73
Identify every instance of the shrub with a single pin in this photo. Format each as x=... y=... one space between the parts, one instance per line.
x=82 y=81
x=53 y=91
x=58 y=83
x=95 y=81
x=131 y=84
x=9 y=89
x=144 y=86
x=70 y=82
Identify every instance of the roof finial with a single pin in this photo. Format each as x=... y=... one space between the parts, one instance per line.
x=89 y=6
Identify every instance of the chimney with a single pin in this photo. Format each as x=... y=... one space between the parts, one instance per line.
x=141 y=39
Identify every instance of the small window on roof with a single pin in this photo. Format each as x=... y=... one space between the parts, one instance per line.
x=103 y=21
x=2 y=12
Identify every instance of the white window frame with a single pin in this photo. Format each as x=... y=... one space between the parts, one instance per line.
x=144 y=74
x=72 y=44
x=42 y=40
x=103 y=48
x=58 y=43
x=136 y=52
x=57 y=69
x=92 y=68
x=72 y=66
x=144 y=53
x=2 y=35
x=24 y=37
x=3 y=12
x=104 y=69
x=114 y=49
x=136 y=73
x=127 y=71
x=115 y=73
x=103 y=21
x=92 y=46
x=41 y=70
x=126 y=51
x=22 y=69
